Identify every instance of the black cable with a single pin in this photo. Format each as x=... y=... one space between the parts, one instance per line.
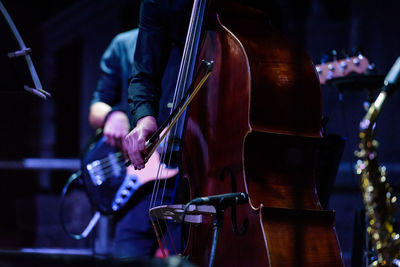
x=72 y=178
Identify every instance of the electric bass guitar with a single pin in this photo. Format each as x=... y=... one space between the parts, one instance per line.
x=108 y=182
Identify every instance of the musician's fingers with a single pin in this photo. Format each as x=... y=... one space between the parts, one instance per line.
x=141 y=149
x=134 y=154
x=136 y=159
x=141 y=146
x=124 y=148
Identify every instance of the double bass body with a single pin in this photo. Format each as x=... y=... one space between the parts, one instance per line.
x=253 y=128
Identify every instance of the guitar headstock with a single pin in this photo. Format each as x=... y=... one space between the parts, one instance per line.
x=342 y=67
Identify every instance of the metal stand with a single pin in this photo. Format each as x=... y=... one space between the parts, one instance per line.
x=217 y=225
x=24 y=51
x=200 y=210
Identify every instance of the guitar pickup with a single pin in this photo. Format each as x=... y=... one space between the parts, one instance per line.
x=96 y=172
x=99 y=170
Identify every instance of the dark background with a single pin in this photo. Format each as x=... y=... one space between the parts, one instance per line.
x=67 y=39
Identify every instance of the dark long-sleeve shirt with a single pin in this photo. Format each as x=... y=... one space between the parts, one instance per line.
x=162 y=32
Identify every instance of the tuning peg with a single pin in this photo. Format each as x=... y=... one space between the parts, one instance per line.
x=371 y=69
x=334 y=55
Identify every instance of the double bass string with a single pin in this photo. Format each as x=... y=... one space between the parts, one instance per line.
x=189 y=96
x=185 y=74
x=185 y=71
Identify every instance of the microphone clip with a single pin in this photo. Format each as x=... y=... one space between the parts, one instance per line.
x=222 y=201
x=23 y=52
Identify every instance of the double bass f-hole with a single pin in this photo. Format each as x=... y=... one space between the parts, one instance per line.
x=228 y=172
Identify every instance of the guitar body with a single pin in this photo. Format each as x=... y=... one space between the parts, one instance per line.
x=102 y=182
x=108 y=182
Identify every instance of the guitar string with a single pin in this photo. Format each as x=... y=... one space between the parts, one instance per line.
x=107 y=158
x=110 y=168
x=107 y=162
x=107 y=165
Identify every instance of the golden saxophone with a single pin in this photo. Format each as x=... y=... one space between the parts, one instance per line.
x=377 y=194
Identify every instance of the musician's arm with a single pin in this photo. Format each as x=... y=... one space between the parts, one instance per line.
x=104 y=111
x=97 y=113
x=151 y=57
x=108 y=91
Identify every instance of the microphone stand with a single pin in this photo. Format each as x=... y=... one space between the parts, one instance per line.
x=24 y=51
x=217 y=225
x=220 y=203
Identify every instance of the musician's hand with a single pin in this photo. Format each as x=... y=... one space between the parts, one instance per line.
x=116 y=128
x=135 y=141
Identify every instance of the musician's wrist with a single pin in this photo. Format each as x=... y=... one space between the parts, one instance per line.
x=144 y=110
x=147 y=123
x=112 y=112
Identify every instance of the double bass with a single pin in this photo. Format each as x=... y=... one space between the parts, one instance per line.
x=254 y=128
